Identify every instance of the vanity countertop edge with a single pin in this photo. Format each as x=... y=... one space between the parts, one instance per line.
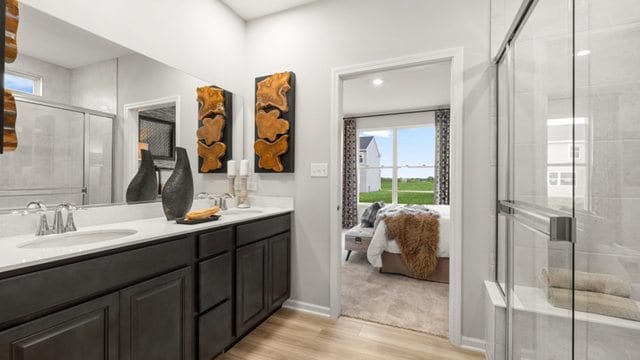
x=14 y=258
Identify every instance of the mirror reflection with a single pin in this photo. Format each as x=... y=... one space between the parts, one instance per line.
x=87 y=109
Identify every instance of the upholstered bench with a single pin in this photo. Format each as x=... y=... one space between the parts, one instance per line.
x=357 y=239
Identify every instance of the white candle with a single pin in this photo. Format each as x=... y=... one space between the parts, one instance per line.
x=244 y=167
x=231 y=168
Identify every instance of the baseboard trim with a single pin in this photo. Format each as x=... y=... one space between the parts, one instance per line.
x=307 y=307
x=474 y=344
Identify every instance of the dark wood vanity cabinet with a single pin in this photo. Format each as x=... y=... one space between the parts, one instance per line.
x=156 y=318
x=279 y=270
x=251 y=285
x=263 y=270
x=85 y=332
x=190 y=297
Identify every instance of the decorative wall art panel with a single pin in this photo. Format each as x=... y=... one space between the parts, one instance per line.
x=10 y=138
x=275 y=123
x=215 y=129
x=10 y=19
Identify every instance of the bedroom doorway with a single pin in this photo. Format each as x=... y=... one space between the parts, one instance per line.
x=397 y=134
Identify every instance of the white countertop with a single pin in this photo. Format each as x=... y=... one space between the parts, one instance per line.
x=13 y=257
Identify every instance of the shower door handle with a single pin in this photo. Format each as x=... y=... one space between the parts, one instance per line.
x=555 y=224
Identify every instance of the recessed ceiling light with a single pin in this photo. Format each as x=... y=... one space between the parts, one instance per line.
x=377 y=82
x=583 y=53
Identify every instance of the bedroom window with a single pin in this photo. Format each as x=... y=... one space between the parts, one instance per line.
x=398 y=165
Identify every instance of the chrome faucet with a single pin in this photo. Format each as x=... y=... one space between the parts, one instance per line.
x=218 y=200
x=59 y=226
x=221 y=200
x=40 y=209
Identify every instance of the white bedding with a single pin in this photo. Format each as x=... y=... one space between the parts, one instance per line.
x=380 y=243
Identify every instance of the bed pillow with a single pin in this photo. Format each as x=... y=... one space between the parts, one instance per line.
x=369 y=214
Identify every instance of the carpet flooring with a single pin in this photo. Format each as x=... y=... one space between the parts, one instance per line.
x=394 y=300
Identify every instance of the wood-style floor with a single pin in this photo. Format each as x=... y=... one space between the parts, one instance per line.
x=290 y=334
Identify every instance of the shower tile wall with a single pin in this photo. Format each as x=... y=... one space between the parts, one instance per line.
x=608 y=97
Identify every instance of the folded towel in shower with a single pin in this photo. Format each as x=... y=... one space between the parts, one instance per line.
x=601 y=283
x=595 y=303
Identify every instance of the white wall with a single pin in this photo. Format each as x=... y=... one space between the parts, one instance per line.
x=313 y=39
x=201 y=37
x=94 y=86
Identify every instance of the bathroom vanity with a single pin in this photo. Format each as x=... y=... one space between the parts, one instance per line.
x=166 y=292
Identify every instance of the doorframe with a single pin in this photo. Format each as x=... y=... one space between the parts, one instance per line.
x=130 y=125
x=455 y=57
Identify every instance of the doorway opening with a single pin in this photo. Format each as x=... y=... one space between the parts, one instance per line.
x=152 y=125
x=396 y=147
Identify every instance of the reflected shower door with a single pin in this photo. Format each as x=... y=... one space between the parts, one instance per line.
x=49 y=163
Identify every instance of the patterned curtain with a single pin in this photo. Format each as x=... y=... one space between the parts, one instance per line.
x=350 y=175
x=441 y=194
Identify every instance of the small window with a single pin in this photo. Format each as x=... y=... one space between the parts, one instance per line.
x=361 y=158
x=23 y=83
x=553 y=178
x=574 y=152
x=566 y=178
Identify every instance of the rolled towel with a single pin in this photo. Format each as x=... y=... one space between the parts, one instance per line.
x=595 y=303
x=601 y=283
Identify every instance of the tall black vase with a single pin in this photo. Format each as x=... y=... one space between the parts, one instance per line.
x=143 y=186
x=177 y=194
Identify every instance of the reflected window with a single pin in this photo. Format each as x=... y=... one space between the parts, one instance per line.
x=566 y=178
x=574 y=152
x=23 y=83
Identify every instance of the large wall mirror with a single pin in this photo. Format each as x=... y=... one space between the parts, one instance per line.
x=85 y=108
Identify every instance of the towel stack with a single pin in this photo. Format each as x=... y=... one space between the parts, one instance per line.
x=594 y=293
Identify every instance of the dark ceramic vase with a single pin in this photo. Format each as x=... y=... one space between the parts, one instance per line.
x=177 y=193
x=143 y=186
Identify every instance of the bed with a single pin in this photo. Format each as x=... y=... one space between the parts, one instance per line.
x=384 y=253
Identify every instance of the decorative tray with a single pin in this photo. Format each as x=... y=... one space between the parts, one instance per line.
x=197 y=221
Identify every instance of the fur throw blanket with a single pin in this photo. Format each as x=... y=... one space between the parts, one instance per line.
x=417 y=236
x=395 y=210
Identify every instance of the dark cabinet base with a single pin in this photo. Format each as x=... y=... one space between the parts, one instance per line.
x=156 y=318
x=215 y=331
x=180 y=298
x=85 y=332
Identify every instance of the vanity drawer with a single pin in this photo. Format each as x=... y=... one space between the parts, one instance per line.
x=215 y=280
x=215 y=242
x=214 y=331
x=262 y=229
x=31 y=294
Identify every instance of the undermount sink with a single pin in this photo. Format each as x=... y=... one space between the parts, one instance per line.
x=241 y=211
x=76 y=238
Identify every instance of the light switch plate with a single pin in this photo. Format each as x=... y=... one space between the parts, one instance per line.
x=319 y=170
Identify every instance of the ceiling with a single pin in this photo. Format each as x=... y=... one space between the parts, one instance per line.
x=419 y=87
x=251 y=9
x=49 y=39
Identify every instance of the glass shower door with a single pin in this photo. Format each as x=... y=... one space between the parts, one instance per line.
x=536 y=183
